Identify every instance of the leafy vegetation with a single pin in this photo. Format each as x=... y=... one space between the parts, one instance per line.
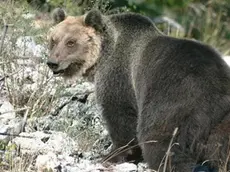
x=204 y=20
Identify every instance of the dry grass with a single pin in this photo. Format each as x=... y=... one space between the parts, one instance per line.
x=18 y=70
x=25 y=79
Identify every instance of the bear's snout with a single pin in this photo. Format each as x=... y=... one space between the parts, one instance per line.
x=53 y=64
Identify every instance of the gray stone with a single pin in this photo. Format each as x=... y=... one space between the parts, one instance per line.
x=7 y=111
x=40 y=142
x=10 y=125
x=125 y=167
x=26 y=46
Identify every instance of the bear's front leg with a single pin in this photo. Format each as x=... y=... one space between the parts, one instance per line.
x=120 y=115
x=121 y=123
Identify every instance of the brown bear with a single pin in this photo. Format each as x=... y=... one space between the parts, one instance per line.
x=148 y=84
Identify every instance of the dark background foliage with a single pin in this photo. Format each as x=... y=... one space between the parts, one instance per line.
x=201 y=19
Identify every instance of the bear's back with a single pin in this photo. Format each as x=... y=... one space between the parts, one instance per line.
x=178 y=70
x=187 y=56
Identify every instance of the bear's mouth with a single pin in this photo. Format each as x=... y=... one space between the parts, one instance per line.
x=58 y=72
x=69 y=71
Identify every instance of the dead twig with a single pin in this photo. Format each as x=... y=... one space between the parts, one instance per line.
x=18 y=110
x=169 y=148
x=124 y=149
x=7 y=76
x=15 y=135
x=6 y=26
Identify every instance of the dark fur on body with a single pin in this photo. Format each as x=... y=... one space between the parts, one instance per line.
x=148 y=84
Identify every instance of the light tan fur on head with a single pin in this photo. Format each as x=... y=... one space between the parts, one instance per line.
x=74 y=47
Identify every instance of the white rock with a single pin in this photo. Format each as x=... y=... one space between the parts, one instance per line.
x=65 y=159
x=12 y=126
x=67 y=163
x=61 y=143
x=46 y=162
x=26 y=46
x=32 y=142
x=28 y=16
x=88 y=166
x=7 y=111
x=85 y=87
x=35 y=142
x=142 y=167
x=125 y=167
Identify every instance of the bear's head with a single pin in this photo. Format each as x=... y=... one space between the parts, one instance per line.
x=74 y=43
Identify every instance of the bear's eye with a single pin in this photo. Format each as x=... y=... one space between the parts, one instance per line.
x=70 y=43
x=52 y=43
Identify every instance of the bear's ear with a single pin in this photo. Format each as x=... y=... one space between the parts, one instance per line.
x=58 y=15
x=94 y=19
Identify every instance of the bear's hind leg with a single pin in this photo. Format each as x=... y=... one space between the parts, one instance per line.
x=155 y=151
x=155 y=134
x=217 y=149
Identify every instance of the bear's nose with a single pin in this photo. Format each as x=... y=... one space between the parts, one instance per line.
x=53 y=64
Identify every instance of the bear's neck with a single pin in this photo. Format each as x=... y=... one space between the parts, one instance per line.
x=89 y=73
